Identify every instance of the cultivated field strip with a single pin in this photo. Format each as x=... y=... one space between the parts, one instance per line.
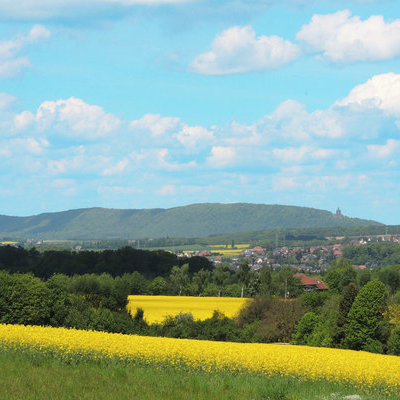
x=157 y=308
x=362 y=369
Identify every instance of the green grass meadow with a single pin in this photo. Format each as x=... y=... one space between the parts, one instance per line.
x=32 y=376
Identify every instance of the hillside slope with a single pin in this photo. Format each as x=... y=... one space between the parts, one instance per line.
x=196 y=220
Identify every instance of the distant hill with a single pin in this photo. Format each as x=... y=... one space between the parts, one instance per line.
x=196 y=220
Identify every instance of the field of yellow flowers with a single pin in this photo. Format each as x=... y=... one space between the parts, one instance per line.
x=361 y=369
x=157 y=308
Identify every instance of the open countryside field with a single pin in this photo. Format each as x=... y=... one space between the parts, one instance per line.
x=364 y=371
x=31 y=375
x=157 y=308
x=223 y=249
x=223 y=246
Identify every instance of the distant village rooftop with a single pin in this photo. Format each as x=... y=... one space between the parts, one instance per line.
x=310 y=283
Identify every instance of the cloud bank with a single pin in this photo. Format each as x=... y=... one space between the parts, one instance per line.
x=239 y=50
x=70 y=147
x=343 y=39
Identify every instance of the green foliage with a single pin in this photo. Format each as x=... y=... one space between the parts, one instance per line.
x=112 y=262
x=158 y=286
x=289 y=286
x=380 y=253
x=305 y=328
x=179 y=278
x=324 y=329
x=265 y=281
x=366 y=317
x=314 y=301
x=254 y=310
x=232 y=290
x=346 y=302
x=394 y=342
x=363 y=277
x=279 y=322
x=197 y=263
x=24 y=299
x=390 y=276
x=316 y=329
x=374 y=346
x=340 y=274
x=220 y=276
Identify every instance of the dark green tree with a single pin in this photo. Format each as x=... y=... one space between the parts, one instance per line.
x=340 y=274
x=305 y=328
x=158 y=286
x=390 y=276
x=366 y=317
x=265 y=280
x=179 y=278
x=346 y=301
x=394 y=342
x=24 y=299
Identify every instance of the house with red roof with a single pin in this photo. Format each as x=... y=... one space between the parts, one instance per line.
x=311 y=284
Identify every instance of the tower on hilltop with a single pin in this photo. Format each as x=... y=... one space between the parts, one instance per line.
x=338 y=213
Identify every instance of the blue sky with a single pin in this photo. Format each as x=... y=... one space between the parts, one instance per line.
x=146 y=103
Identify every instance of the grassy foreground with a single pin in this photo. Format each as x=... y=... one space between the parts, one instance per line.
x=30 y=375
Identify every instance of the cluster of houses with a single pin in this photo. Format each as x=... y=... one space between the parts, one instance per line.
x=314 y=259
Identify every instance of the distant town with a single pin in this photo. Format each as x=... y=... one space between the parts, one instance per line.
x=314 y=259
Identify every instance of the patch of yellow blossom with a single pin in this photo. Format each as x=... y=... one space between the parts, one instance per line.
x=230 y=252
x=157 y=308
x=366 y=370
x=394 y=314
x=223 y=246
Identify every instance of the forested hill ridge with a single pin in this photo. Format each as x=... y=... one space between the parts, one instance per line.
x=196 y=220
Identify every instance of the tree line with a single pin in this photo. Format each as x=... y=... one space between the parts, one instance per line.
x=359 y=318
x=113 y=262
x=361 y=309
x=378 y=253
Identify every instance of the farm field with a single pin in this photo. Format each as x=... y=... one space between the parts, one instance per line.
x=227 y=251
x=364 y=372
x=32 y=376
x=157 y=308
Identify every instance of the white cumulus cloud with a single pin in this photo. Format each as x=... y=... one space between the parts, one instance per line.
x=238 y=50
x=192 y=136
x=155 y=124
x=74 y=117
x=381 y=92
x=341 y=38
x=221 y=156
x=291 y=121
x=23 y=146
x=164 y=164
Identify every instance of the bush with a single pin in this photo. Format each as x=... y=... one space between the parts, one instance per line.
x=394 y=342
x=278 y=324
x=254 y=310
x=366 y=316
x=305 y=328
x=373 y=346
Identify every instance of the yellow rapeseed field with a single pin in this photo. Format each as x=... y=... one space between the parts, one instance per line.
x=362 y=369
x=230 y=252
x=223 y=246
x=157 y=308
